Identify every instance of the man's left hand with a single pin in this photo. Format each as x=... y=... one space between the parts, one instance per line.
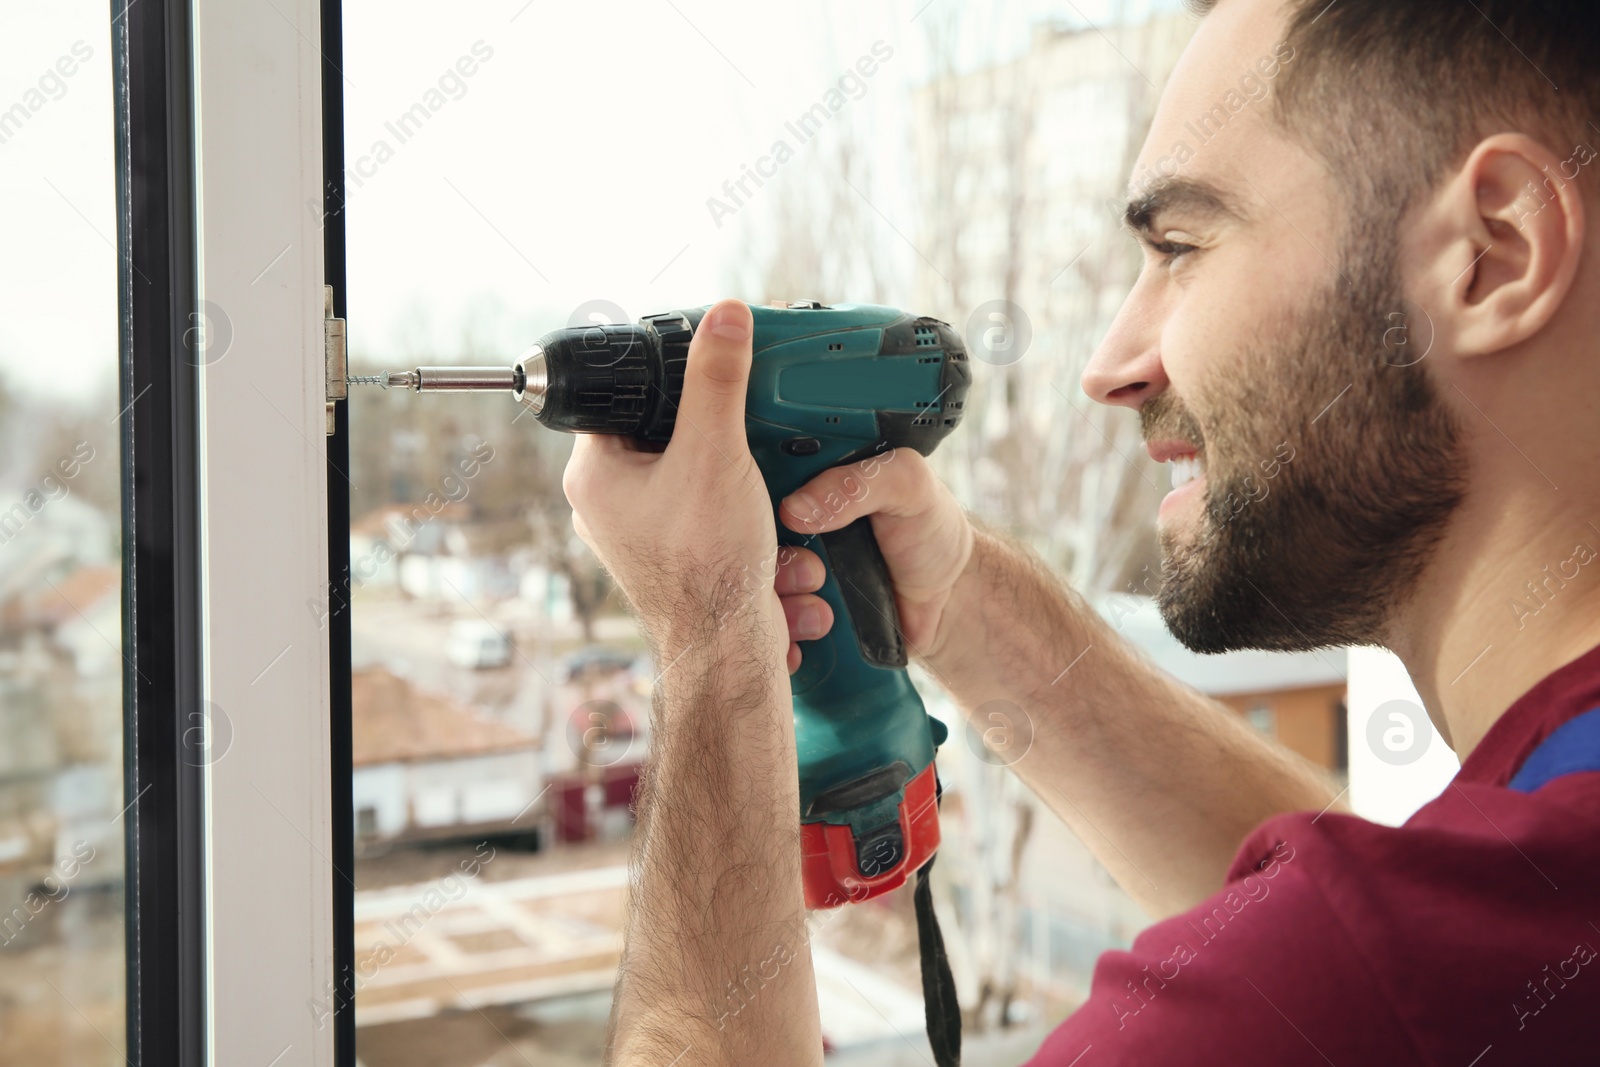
x=687 y=532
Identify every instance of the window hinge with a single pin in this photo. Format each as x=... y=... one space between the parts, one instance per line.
x=334 y=356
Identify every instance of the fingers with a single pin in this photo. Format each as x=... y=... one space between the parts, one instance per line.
x=711 y=409
x=809 y=616
x=799 y=571
x=898 y=484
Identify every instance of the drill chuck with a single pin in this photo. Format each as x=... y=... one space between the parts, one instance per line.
x=623 y=379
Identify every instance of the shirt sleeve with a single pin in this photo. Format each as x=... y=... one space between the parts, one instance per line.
x=1262 y=972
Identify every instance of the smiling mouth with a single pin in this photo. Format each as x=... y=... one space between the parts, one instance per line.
x=1186 y=469
x=1184 y=459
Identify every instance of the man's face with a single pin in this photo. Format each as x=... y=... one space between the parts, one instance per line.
x=1264 y=346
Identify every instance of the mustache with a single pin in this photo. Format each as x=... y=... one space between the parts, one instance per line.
x=1164 y=417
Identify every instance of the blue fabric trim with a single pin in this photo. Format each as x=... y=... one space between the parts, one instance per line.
x=1573 y=747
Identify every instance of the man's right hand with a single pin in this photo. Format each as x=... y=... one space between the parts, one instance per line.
x=1096 y=723
x=921 y=529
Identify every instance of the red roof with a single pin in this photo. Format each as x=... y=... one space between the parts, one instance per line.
x=62 y=600
x=395 y=720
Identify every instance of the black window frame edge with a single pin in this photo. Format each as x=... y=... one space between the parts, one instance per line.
x=340 y=750
x=161 y=588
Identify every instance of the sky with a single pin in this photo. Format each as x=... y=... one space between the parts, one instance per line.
x=579 y=172
x=58 y=282
x=572 y=164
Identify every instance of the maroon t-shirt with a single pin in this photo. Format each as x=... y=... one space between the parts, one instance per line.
x=1467 y=937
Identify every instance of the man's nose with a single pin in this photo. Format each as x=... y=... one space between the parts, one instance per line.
x=1126 y=369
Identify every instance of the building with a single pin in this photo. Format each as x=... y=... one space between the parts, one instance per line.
x=1022 y=165
x=1298 y=698
x=435 y=553
x=60 y=745
x=427 y=767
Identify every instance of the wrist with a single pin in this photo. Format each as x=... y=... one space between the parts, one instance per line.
x=718 y=646
x=681 y=609
x=966 y=604
x=721 y=714
x=1021 y=626
x=711 y=631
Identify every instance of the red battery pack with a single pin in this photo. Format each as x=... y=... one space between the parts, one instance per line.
x=837 y=869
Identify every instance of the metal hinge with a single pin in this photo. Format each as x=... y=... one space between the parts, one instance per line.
x=334 y=355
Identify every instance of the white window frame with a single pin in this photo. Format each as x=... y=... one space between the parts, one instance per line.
x=264 y=534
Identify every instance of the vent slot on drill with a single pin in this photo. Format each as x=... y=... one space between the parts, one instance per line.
x=859 y=792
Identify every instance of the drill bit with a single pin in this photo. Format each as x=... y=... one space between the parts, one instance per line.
x=444 y=379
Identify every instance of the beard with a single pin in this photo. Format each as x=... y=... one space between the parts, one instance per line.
x=1331 y=473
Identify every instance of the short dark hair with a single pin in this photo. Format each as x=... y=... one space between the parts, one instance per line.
x=1391 y=93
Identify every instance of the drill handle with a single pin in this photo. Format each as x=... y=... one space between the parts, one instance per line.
x=862 y=575
x=863 y=655
x=865 y=742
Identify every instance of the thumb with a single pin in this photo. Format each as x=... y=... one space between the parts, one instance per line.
x=716 y=378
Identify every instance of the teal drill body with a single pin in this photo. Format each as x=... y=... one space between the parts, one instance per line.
x=829 y=385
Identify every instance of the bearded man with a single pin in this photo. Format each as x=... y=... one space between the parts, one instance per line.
x=1422 y=163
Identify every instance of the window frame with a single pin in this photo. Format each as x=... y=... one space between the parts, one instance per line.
x=238 y=902
x=340 y=740
x=161 y=610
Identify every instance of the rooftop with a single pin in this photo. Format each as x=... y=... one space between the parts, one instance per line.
x=395 y=720
x=52 y=603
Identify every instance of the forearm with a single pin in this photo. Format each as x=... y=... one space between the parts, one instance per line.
x=1159 y=781
x=716 y=966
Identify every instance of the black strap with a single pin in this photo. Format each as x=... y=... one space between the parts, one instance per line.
x=938 y=984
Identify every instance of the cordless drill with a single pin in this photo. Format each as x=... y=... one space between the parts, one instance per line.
x=830 y=385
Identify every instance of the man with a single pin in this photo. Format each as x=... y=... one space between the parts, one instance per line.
x=1422 y=164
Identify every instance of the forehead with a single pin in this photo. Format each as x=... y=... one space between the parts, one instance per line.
x=1212 y=123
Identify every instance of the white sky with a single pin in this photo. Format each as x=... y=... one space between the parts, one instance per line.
x=58 y=282
x=583 y=150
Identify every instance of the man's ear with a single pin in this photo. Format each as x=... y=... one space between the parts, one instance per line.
x=1508 y=235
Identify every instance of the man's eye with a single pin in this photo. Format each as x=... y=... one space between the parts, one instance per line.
x=1172 y=249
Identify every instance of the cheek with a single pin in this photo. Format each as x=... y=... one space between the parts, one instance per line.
x=1234 y=306
x=1221 y=366
x=1201 y=338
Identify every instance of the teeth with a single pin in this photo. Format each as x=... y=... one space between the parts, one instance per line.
x=1185 y=470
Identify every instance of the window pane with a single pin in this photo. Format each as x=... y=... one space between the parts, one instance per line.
x=513 y=168
x=61 y=845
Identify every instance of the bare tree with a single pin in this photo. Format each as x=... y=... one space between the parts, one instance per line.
x=994 y=144
x=1018 y=159
x=1000 y=152
x=561 y=551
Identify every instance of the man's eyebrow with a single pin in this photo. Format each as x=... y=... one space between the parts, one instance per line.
x=1190 y=195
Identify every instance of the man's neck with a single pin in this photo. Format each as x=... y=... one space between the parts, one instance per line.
x=1511 y=595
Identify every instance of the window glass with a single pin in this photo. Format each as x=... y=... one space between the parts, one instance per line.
x=61 y=806
x=516 y=167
